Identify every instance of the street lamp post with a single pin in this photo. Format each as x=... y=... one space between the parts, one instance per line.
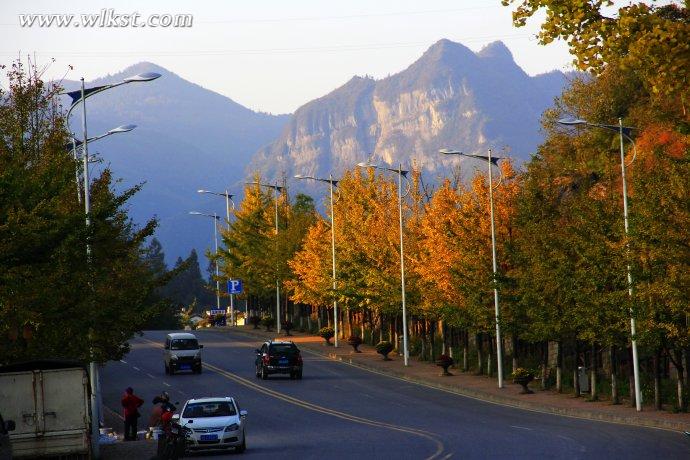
x=215 y=218
x=623 y=132
x=228 y=201
x=492 y=161
x=401 y=173
x=332 y=183
x=276 y=188
x=77 y=97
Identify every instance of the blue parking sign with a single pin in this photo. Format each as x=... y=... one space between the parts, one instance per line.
x=235 y=286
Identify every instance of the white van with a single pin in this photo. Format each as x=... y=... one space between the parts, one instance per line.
x=182 y=353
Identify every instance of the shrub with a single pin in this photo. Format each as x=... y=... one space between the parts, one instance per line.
x=355 y=341
x=267 y=322
x=255 y=321
x=327 y=333
x=445 y=362
x=383 y=348
x=288 y=326
x=522 y=373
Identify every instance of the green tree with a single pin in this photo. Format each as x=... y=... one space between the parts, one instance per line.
x=53 y=301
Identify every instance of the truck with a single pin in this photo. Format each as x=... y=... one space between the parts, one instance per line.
x=49 y=404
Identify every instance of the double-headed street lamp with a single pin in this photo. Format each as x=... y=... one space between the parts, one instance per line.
x=215 y=218
x=276 y=188
x=401 y=173
x=79 y=96
x=76 y=144
x=332 y=183
x=492 y=161
x=228 y=201
x=624 y=132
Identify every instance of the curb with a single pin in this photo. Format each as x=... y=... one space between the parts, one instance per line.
x=502 y=401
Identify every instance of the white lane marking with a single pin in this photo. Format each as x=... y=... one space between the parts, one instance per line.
x=150 y=375
x=521 y=427
x=447 y=456
x=181 y=392
x=166 y=384
x=123 y=361
x=136 y=368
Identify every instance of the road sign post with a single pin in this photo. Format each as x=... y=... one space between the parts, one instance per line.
x=234 y=287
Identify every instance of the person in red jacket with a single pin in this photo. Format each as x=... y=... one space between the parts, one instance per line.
x=131 y=404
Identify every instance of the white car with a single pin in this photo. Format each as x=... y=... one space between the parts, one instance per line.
x=213 y=423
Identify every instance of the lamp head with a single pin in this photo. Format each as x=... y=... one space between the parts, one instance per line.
x=196 y=213
x=147 y=76
x=366 y=164
x=450 y=152
x=572 y=122
x=203 y=191
x=122 y=129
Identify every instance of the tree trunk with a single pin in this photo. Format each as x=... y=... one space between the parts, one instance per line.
x=593 y=374
x=480 y=354
x=544 y=363
x=656 y=370
x=631 y=378
x=559 y=367
x=680 y=383
x=444 y=347
x=514 y=344
x=576 y=380
x=465 y=349
x=614 y=379
x=489 y=358
x=432 y=341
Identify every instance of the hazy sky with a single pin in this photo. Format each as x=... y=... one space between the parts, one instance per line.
x=271 y=55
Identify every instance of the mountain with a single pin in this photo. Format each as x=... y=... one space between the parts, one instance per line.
x=450 y=97
x=187 y=138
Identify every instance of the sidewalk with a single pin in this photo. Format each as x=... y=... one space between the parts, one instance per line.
x=481 y=387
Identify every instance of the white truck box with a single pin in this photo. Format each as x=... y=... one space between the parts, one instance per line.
x=50 y=408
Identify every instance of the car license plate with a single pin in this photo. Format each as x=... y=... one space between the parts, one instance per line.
x=209 y=437
x=283 y=362
x=185 y=367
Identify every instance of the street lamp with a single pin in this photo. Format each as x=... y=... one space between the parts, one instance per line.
x=215 y=218
x=228 y=200
x=332 y=183
x=76 y=143
x=276 y=188
x=492 y=161
x=401 y=173
x=624 y=132
x=80 y=96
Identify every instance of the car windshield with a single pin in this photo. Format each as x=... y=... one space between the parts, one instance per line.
x=209 y=409
x=184 y=344
x=286 y=349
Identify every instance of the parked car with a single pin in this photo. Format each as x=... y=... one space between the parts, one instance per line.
x=213 y=423
x=182 y=353
x=278 y=358
x=5 y=446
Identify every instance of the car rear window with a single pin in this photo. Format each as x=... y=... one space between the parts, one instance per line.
x=209 y=409
x=287 y=349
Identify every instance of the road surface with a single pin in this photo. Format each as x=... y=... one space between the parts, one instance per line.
x=339 y=412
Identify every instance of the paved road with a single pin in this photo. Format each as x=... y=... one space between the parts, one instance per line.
x=339 y=411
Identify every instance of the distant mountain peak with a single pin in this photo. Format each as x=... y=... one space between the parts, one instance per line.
x=496 y=50
x=446 y=51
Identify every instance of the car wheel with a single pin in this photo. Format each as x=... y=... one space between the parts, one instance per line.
x=198 y=369
x=299 y=375
x=242 y=447
x=257 y=372
x=167 y=370
x=264 y=374
x=171 y=370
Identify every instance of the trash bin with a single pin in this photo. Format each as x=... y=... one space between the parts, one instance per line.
x=583 y=378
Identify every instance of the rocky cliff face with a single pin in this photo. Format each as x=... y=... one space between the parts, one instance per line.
x=450 y=97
